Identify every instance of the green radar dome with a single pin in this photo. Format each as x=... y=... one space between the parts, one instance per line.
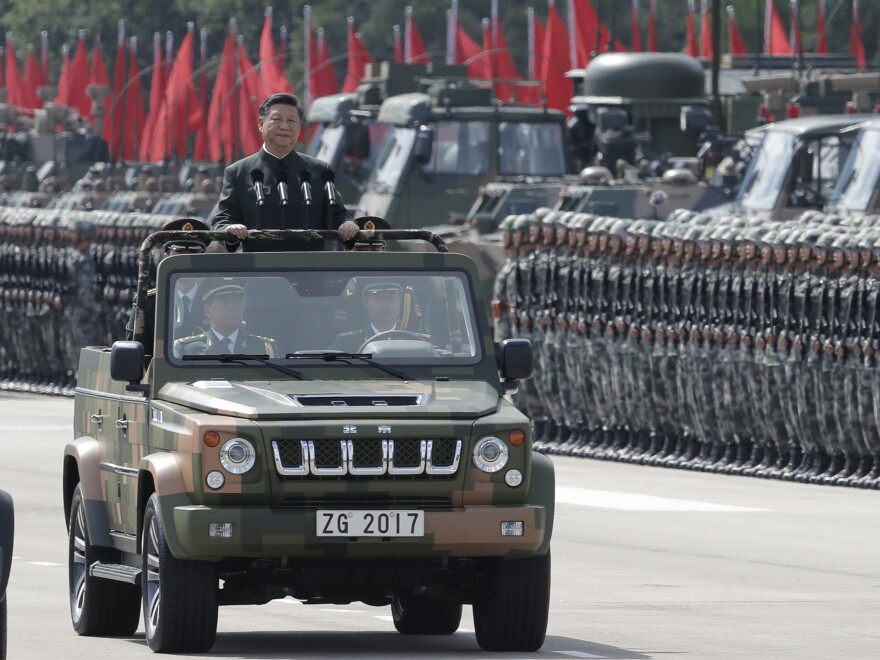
x=644 y=75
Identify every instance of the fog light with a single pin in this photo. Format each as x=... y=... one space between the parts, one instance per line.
x=215 y=479
x=225 y=530
x=512 y=528
x=513 y=478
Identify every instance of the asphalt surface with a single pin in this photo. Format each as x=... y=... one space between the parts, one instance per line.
x=647 y=563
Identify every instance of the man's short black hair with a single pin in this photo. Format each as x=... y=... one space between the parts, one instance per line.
x=281 y=98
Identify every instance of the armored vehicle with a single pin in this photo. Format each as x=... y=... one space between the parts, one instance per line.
x=305 y=454
x=346 y=134
x=626 y=106
x=7 y=529
x=445 y=141
x=858 y=188
x=795 y=167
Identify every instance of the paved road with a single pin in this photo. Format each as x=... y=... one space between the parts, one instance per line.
x=647 y=563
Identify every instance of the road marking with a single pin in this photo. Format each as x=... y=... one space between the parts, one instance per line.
x=609 y=499
x=327 y=609
x=44 y=563
x=578 y=654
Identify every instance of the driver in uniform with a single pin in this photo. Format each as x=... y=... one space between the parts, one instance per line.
x=382 y=301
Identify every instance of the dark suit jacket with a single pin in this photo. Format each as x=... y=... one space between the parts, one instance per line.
x=238 y=200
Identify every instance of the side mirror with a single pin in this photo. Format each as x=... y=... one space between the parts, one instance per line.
x=516 y=359
x=423 y=145
x=805 y=165
x=127 y=361
x=694 y=119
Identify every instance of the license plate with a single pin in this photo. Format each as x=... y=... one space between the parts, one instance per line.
x=370 y=523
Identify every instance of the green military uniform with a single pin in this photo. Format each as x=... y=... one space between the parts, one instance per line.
x=207 y=343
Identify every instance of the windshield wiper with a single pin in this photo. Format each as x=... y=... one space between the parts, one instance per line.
x=366 y=358
x=241 y=357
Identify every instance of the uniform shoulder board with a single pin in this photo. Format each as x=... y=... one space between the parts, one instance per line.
x=265 y=339
x=351 y=333
x=151 y=292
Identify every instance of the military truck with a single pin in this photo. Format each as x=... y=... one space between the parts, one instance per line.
x=394 y=474
x=795 y=166
x=346 y=134
x=624 y=105
x=446 y=140
x=858 y=187
x=7 y=530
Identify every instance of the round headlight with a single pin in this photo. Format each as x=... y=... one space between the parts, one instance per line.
x=237 y=456
x=490 y=454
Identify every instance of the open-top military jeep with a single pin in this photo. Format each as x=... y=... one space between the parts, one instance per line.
x=310 y=454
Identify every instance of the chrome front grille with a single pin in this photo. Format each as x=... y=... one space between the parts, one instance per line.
x=367 y=457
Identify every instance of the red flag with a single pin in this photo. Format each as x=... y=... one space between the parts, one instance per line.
x=468 y=52
x=822 y=45
x=223 y=111
x=856 y=42
x=636 y=30
x=775 y=38
x=556 y=61
x=113 y=130
x=325 y=75
x=157 y=91
x=79 y=78
x=98 y=76
x=180 y=113
x=415 y=52
x=14 y=83
x=358 y=58
x=706 y=49
x=248 y=102
x=272 y=78
x=737 y=45
x=133 y=126
x=652 y=26
x=586 y=21
x=63 y=95
x=505 y=70
x=796 y=44
x=398 y=45
x=33 y=78
x=691 y=47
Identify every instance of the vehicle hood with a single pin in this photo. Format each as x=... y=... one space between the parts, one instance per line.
x=333 y=398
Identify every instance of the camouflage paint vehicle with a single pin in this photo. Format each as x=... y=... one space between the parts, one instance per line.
x=446 y=140
x=858 y=188
x=795 y=167
x=398 y=474
x=7 y=529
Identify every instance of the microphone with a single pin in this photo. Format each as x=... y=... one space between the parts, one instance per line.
x=328 y=177
x=257 y=179
x=281 y=178
x=305 y=182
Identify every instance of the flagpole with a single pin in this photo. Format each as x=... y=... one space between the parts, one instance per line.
x=572 y=34
x=407 y=34
x=716 y=62
x=307 y=43
x=531 y=32
x=451 y=36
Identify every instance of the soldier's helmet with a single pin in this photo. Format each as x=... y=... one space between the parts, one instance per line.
x=541 y=211
x=84 y=228
x=522 y=229
x=506 y=225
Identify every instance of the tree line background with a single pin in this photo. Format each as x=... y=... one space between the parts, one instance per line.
x=62 y=19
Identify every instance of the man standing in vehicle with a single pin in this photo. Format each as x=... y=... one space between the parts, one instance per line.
x=278 y=187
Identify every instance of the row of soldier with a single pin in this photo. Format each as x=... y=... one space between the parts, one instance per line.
x=66 y=281
x=710 y=343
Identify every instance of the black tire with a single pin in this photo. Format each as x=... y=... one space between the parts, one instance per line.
x=512 y=614
x=180 y=597
x=98 y=607
x=425 y=615
x=3 y=628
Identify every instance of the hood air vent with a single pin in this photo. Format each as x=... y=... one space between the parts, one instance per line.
x=370 y=400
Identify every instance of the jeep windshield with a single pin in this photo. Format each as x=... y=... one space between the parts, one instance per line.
x=396 y=317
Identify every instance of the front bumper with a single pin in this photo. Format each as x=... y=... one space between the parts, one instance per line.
x=472 y=531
